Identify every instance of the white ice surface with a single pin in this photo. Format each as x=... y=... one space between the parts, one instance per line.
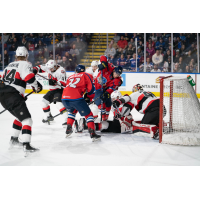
x=113 y=149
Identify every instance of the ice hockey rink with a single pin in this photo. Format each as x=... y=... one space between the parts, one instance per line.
x=78 y=150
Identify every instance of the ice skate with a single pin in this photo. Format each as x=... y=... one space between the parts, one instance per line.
x=14 y=142
x=156 y=135
x=49 y=119
x=28 y=148
x=93 y=135
x=69 y=130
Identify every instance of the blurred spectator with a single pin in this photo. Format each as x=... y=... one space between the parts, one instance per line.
x=46 y=53
x=191 y=66
x=74 y=52
x=155 y=68
x=149 y=66
x=189 y=57
x=157 y=58
x=67 y=62
x=121 y=61
x=116 y=38
x=83 y=37
x=112 y=60
x=167 y=65
x=6 y=58
x=39 y=45
x=165 y=57
x=119 y=52
x=176 y=57
x=122 y=43
x=132 y=63
x=177 y=43
x=114 y=44
x=56 y=39
x=132 y=42
x=187 y=69
x=182 y=37
x=151 y=42
x=79 y=44
x=126 y=37
x=139 y=52
x=110 y=51
x=24 y=43
x=153 y=37
x=160 y=43
x=31 y=47
x=150 y=50
x=44 y=61
x=13 y=48
x=142 y=58
x=59 y=59
x=130 y=50
x=135 y=36
x=181 y=64
x=11 y=38
x=75 y=34
x=39 y=57
x=182 y=50
x=141 y=45
x=195 y=69
x=177 y=68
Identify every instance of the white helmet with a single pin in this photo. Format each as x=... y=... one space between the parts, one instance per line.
x=94 y=63
x=116 y=94
x=22 y=51
x=51 y=64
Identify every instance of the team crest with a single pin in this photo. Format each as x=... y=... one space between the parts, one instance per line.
x=100 y=80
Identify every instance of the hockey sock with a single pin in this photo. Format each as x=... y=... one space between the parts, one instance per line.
x=108 y=111
x=26 y=129
x=17 y=127
x=71 y=118
x=90 y=121
x=61 y=108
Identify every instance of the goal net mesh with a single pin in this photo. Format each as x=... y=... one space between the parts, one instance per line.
x=181 y=123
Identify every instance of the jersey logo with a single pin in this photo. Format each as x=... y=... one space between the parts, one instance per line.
x=100 y=80
x=62 y=71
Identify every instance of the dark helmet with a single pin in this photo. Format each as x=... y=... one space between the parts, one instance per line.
x=80 y=68
x=118 y=70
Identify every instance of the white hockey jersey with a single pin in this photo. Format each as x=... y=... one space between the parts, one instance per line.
x=17 y=74
x=59 y=75
x=142 y=101
x=90 y=71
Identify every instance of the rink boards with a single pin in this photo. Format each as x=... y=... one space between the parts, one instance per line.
x=149 y=81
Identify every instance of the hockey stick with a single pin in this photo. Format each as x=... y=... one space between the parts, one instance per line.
x=48 y=120
x=49 y=79
x=25 y=96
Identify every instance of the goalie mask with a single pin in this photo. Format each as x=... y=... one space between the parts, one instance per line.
x=137 y=87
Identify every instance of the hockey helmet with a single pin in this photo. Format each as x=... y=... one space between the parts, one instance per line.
x=22 y=51
x=80 y=68
x=118 y=70
x=137 y=87
x=116 y=95
x=51 y=64
x=94 y=63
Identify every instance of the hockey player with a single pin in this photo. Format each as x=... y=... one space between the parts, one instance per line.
x=145 y=103
x=72 y=98
x=93 y=70
x=57 y=80
x=110 y=79
x=15 y=77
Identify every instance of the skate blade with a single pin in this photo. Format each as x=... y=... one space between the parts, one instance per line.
x=64 y=126
x=67 y=135
x=27 y=153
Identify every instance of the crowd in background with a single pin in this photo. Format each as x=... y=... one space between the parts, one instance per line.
x=122 y=51
x=69 y=47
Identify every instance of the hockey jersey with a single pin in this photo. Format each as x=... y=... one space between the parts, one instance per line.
x=89 y=70
x=142 y=101
x=77 y=85
x=111 y=84
x=17 y=74
x=59 y=75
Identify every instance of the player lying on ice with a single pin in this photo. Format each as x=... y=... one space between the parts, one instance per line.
x=15 y=77
x=72 y=98
x=144 y=102
x=107 y=81
x=57 y=80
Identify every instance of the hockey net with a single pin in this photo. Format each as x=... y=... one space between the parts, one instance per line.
x=181 y=122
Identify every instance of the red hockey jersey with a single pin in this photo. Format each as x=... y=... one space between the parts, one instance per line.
x=77 y=85
x=109 y=82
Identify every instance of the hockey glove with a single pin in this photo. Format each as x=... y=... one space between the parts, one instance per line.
x=105 y=95
x=52 y=82
x=103 y=65
x=117 y=103
x=39 y=89
x=87 y=99
x=35 y=70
